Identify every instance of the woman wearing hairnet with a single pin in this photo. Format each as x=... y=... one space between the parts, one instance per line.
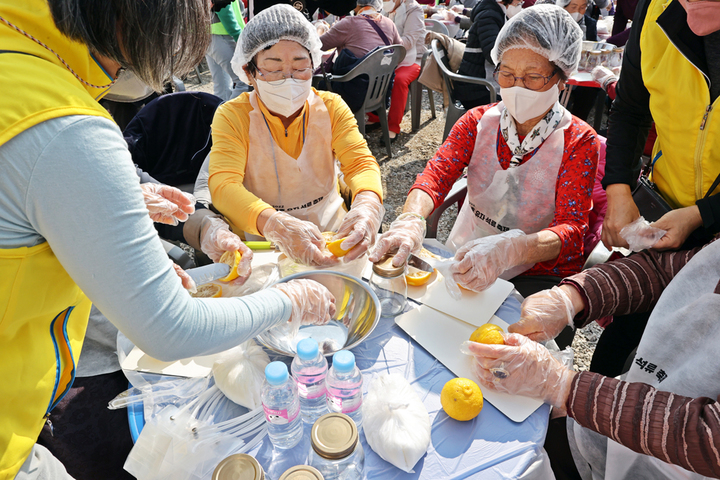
x=73 y=224
x=272 y=164
x=531 y=167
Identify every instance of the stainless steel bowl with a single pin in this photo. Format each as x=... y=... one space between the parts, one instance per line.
x=358 y=312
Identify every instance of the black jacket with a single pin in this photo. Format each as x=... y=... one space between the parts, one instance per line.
x=630 y=117
x=590 y=28
x=488 y=18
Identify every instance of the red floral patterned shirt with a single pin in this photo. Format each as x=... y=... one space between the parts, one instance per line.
x=573 y=190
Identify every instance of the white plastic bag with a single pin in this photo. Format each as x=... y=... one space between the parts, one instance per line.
x=395 y=421
x=239 y=373
x=640 y=235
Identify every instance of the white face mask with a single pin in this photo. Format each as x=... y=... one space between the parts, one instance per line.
x=512 y=10
x=576 y=16
x=524 y=104
x=286 y=98
x=128 y=88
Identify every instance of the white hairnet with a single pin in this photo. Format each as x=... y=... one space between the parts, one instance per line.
x=547 y=30
x=376 y=4
x=279 y=22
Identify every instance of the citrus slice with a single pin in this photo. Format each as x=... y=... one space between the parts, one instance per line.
x=333 y=246
x=209 y=290
x=416 y=277
x=461 y=399
x=425 y=253
x=488 y=333
x=232 y=259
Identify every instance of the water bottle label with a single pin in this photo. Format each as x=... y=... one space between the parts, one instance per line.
x=347 y=405
x=311 y=391
x=282 y=417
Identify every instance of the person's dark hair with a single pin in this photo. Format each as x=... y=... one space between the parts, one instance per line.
x=154 y=38
x=507 y=3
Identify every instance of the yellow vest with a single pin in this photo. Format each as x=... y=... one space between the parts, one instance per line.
x=688 y=132
x=43 y=313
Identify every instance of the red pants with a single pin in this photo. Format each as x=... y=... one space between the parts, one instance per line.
x=398 y=98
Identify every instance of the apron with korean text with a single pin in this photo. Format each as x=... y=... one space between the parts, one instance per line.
x=305 y=188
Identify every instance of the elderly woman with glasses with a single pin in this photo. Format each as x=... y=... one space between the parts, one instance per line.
x=531 y=167
x=272 y=164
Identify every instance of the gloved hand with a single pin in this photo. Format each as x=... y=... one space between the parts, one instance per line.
x=640 y=236
x=299 y=240
x=167 y=204
x=604 y=76
x=187 y=282
x=545 y=314
x=216 y=239
x=313 y=304
x=406 y=234
x=480 y=262
x=458 y=9
x=521 y=367
x=361 y=225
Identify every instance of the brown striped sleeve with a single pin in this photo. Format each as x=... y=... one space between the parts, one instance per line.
x=679 y=430
x=627 y=285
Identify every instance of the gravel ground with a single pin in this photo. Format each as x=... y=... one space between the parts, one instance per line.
x=410 y=153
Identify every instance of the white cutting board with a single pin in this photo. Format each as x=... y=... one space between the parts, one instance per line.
x=442 y=335
x=194 y=367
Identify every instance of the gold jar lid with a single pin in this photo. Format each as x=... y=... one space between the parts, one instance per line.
x=334 y=435
x=238 y=467
x=385 y=268
x=302 y=472
x=618 y=49
x=596 y=52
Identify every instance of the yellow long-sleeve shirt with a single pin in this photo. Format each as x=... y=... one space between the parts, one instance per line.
x=228 y=157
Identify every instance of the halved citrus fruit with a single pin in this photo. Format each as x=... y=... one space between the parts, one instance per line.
x=417 y=277
x=232 y=259
x=333 y=246
x=488 y=333
x=209 y=290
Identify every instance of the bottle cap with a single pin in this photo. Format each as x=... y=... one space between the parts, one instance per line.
x=334 y=435
x=276 y=373
x=301 y=472
x=385 y=268
x=343 y=361
x=307 y=349
x=238 y=467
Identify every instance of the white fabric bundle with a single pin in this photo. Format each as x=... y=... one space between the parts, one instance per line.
x=395 y=421
x=239 y=373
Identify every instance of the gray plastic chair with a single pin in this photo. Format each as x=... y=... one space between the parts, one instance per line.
x=415 y=103
x=432 y=25
x=379 y=66
x=455 y=109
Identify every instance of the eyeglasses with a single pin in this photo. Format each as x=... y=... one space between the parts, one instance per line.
x=531 y=81
x=278 y=77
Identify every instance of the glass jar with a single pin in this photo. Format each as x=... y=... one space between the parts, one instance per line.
x=605 y=56
x=238 y=467
x=302 y=472
x=336 y=449
x=616 y=57
x=390 y=286
x=594 y=60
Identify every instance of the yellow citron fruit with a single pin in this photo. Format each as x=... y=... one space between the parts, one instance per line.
x=461 y=399
x=209 y=290
x=232 y=259
x=333 y=246
x=417 y=277
x=488 y=333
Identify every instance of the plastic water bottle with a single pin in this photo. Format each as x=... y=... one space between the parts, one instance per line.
x=281 y=406
x=309 y=368
x=344 y=387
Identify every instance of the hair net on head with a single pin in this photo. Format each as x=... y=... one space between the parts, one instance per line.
x=376 y=4
x=279 y=22
x=547 y=30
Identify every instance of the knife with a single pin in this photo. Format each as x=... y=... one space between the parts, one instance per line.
x=208 y=273
x=419 y=263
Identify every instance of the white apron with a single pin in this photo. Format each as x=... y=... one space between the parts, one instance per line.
x=499 y=200
x=678 y=353
x=305 y=188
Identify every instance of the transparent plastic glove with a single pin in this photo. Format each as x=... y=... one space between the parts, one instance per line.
x=529 y=369
x=313 y=304
x=458 y=9
x=604 y=76
x=405 y=235
x=640 y=235
x=480 y=262
x=361 y=225
x=167 y=204
x=545 y=314
x=444 y=267
x=216 y=239
x=300 y=240
x=187 y=282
